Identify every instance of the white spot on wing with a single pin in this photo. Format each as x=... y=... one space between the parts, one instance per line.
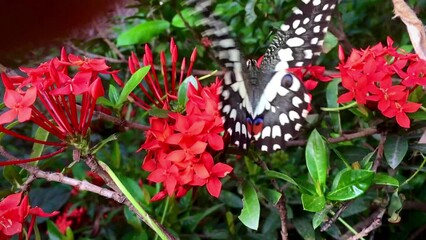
x=266 y=132
x=296 y=23
x=286 y=54
x=287 y=137
x=285 y=27
x=308 y=53
x=276 y=131
x=225 y=94
x=295 y=42
x=316 y=29
x=305 y=113
x=318 y=18
x=276 y=147
x=296 y=101
x=264 y=148
x=316 y=2
x=293 y=115
x=284 y=119
x=325 y=7
x=233 y=114
x=306 y=98
x=295 y=86
x=300 y=30
x=297 y=126
x=314 y=40
x=306 y=20
x=226 y=109
x=237 y=127
x=296 y=10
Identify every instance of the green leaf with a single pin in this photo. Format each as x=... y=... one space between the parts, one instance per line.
x=143 y=32
x=350 y=184
x=133 y=82
x=384 y=179
x=280 y=175
x=395 y=148
x=250 y=15
x=273 y=196
x=320 y=216
x=11 y=174
x=105 y=102
x=304 y=228
x=395 y=206
x=53 y=231
x=250 y=214
x=50 y=199
x=366 y=163
x=116 y=154
x=183 y=90
x=313 y=203
x=112 y=94
x=157 y=112
x=132 y=219
x=40 y=134
x=189 y=17
x=231 y=199
x=194 y=220
x=331 y=96
x=330 y=42
x=317 y=160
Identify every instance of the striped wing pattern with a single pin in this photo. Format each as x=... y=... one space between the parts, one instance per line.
x=267 y=105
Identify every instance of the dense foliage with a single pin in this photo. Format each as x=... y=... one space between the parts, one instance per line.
x=146 y=132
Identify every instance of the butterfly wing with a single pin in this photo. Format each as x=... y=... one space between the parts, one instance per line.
x=234 y=102
x=284 y=102
x=299 y=40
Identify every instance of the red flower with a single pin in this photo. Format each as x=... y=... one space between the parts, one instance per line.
x=19 y=105
x=65 y=102
x=71 y=217
x=13 y=211
x=367 y=74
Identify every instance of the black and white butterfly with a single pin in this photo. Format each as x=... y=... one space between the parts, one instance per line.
x=267 y=105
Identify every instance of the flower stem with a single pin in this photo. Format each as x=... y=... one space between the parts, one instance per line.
x=349 y=227
x=415 y=173
x=154 y=225
x=350 y=105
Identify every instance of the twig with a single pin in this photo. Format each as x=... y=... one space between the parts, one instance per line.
x=332 y=220
x=282 y=209
x=376 y=223
x=380 y=150
x=120 y=122
x=92 y=55
x=340 y=34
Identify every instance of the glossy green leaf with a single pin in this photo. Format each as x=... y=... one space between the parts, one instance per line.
x=40 y=134
x=316 y=154
x=395 y=148
x=384 y=179
x=250 y=214
x=366 y=162
x=280 y=175
x=105 y=102
x=189 y=17
x=231 y=199
x=313 y=203
x=332 y=91
x=133 y=82
x=143 y=32
x=304 y=228
x=350 y=184
x=320 y=216
x=183 y=90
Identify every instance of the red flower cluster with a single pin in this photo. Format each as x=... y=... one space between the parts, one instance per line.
x=178 y=146
x=13 y=211
x=70 y=218
x=367 y=75
x=65 y=101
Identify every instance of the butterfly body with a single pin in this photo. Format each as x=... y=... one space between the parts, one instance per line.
x=267 y=105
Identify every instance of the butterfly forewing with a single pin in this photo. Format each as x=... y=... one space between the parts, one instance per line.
x=298 y=42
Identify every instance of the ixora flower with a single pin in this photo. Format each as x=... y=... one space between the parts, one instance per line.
x=367 y=75
x=14 y=209
x=181 y=143
x=54 y=99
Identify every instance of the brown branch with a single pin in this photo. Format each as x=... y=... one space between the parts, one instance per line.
x=119 y=121
x=339 y=212
x=92 y=55
x=380 y=150
x=374 y=222
x=340 y=34
x=282 y=209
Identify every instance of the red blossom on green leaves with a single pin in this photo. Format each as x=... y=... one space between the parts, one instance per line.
x=56 y=100
x=367 y=75
x=13 y=211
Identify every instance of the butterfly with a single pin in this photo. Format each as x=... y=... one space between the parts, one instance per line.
x=267 y=105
